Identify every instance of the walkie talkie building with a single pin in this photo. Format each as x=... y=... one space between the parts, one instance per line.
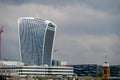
x=36 y=40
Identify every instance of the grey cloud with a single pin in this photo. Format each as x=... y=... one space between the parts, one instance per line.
x=110 y=6
x=10 y=44
x=14 y=2
x=79 y=28
x=90 y=21
x=45 y=2
x=87 y=48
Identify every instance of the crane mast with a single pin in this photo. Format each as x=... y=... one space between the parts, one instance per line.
x=1 y=30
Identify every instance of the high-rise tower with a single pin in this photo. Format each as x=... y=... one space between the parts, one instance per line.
x=36 y=40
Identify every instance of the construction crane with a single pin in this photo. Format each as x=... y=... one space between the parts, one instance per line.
x=1 y=30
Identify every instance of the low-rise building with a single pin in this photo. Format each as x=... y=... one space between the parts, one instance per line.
x=39 y=70
x=85 y=70
x=59 y=63
x=115 y=70
x=11 y=63
x=95 y=70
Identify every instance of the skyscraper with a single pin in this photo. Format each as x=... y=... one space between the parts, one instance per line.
x=36 y=40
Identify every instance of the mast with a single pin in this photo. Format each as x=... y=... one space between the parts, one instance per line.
x=1 y=30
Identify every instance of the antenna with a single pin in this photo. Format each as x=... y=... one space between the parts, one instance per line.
x=106 y=58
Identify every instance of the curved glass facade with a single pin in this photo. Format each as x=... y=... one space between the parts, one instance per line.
x=36 y=40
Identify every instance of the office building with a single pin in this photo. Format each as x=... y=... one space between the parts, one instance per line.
x=11 y=63
x=56 y=63
x=115 y=70
x=95 y=70
x=36 y=40
x=42 y=71
x=59 y=63
x=85 y=70
x=63 y=63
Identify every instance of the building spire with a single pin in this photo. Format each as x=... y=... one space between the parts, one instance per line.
x=106 y=62
x=106 y=59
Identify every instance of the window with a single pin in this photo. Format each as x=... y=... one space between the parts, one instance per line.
x=105 y=72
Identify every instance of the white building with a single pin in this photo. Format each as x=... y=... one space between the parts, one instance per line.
x=63 y=63
x=39 y=70
x=11 y=63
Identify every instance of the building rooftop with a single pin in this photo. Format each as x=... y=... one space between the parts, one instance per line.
x=106 y=64
x=12 y=63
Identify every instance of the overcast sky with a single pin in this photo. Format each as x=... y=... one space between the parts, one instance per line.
x=87 y=30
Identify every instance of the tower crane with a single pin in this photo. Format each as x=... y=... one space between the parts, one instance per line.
x=1 y=30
